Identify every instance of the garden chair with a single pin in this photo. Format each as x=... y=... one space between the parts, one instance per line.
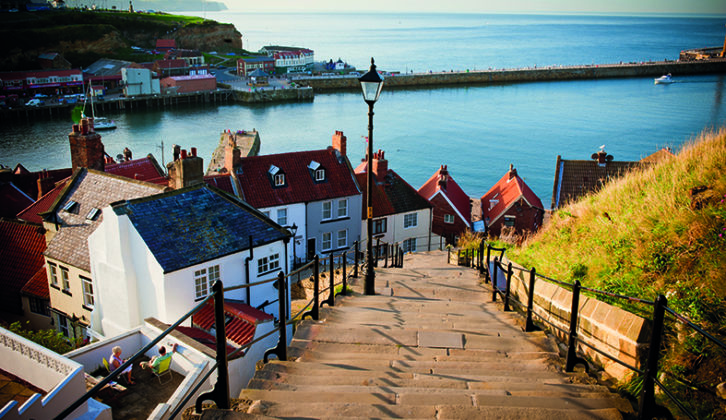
x=163 y=371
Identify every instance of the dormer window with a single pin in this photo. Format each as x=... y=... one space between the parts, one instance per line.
x=320 y=175
x=316 y=171
x=279 y=180
x=313 y=165
x=278 y=177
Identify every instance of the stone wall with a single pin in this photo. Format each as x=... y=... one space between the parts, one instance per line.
x=609 y=329
x=654 y=69
x=279 y=95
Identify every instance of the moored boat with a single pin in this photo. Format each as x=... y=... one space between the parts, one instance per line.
x=664 y=80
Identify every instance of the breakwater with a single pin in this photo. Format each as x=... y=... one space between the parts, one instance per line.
x=276 y=95
x=476 y=77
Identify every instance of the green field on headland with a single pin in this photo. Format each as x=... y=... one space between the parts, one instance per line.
x=659 y=230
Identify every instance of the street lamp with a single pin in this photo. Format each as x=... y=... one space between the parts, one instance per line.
x=371 y=83
x=293 y=230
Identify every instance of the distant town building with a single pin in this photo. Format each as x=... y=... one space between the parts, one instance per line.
x=171 y=67
x=452 y=207
x=139 y=81
x=510 y=205
x=290 y=59
x=191 y=57
x=165 y=44
x=400 y=214
x=41 y=81
x=53 y=60
x=105 y=72
x=188 y=84
x=245 y=66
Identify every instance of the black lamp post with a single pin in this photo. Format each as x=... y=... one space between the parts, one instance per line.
x=371 y=83
x=293 y=230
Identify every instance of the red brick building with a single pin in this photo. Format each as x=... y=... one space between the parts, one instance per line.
x=187 y=84
x=511 y=204
x=452 y=207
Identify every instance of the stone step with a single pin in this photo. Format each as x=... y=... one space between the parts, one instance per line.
x=442 y=365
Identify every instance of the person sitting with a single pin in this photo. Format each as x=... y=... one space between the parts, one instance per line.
x=116 y=361
x=155 y=361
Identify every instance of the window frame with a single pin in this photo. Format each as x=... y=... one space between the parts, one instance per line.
x=279 y=221
x=344 y=237
x=65 y=278
x=268 y=264
x=380 y=222
x=320 y=175
x=329 y=240
x=53 y=274
x=329 y=205
x=201 y=286
x=38 y=306
x=449 y=219
x=407 y=223
x=279 y=180
x=344 y=206
x=406 y=245
x=87 y=284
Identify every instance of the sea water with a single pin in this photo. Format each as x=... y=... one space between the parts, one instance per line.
x=478 y=131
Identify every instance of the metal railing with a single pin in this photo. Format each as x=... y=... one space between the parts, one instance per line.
x=391 y=256
x=647 y=407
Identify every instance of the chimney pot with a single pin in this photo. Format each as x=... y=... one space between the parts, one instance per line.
x=184 y=153
x=194 y=151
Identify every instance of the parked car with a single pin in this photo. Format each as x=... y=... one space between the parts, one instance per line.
x=34 y=102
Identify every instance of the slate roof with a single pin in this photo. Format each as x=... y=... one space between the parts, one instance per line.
x=453 y=192
x=14 y=200
x=32 y=212
x=143 y=169
x=508 y=190
x=21 y=256
x=106 y=67
x=257 y=184
x=393 y=196
x=196 y=224
x=241 y=327
x=37 y=286
x=90 y=189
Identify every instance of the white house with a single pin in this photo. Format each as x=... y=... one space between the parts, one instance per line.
x=138 y=82
x=159 y=256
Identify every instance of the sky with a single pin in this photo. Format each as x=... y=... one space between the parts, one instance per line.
x=707 y=7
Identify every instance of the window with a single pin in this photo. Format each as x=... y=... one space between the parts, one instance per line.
x=279 y=180
x=327 y=241
x=70 y=205
x=266 y=213
x=66 y=279
x=63 y=325
x=448 y=218
x=267 y=264
x=201 y=287
x=379 y=226
x=509 y=220
x=409 y=245
x=282 y=217
x=320 y=175
x=87 y=292
x=343 y=238
x=410 y=220
x=343 y=208
x=92 y=214
x=213 y=275
x=53 y=274
x=39 y=306
x=327 y=210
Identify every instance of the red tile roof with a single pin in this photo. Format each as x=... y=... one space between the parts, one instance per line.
x=240 y=329
x=202 y=337
x=28 y=182
x=13 y=199
x=393 y=196
x=221 y=181
x=31 y=213
x=453 y=193
x=507 y=191
x=257 y=185
x=38 y=285
x=165 y=43
x=21 y=256
x=143 y=169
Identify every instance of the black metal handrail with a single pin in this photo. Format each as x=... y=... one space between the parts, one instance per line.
x=647 y=405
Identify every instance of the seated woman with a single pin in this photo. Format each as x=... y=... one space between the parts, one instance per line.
x=116 y=361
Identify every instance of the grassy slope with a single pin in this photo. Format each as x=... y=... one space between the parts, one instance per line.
x=653 y=232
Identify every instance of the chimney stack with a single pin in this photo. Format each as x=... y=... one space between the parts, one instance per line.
x=186 y=171
x=45 y=183
x=86 y=147
x=443 y=177
x=512 y=171
x=232 y=155
x=339 y=142
x=380 y=165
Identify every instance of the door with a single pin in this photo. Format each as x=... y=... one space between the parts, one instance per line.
x=311 y=248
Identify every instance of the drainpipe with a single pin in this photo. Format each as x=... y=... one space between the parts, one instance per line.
x=247 y=270
x=287 y=270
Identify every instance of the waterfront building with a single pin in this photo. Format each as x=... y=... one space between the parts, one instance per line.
x=41 y=81
x=290 y=59
x=158 y=255
x=511 y=206
x=188 y=84
x=245 y=66
x=452 y=207
x=316 y=191
x=191 y=57
x=105 y=72
x=171 y=67
x=400 y=214
x=139 y=81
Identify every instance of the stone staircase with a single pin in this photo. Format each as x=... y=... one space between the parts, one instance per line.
x=430 y=345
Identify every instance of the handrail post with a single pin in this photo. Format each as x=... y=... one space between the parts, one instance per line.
x=479 y=258
x=572 y=358
x=509 y=282
x=494 y=280
x=281 y=349
x=314 y=312
x=487 y=272
x=220 y=393
x=400 y=258
x=529 y=325
x=344 y=257
x=355 y=260
x=331 y=289
x=448 y=255
x=377 y=253
x=385 y=260
x=647 y=406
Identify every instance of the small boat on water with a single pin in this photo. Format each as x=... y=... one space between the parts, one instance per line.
x=103 y=123
x=664 y=80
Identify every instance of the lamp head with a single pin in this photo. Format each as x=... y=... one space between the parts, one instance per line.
x=371 y=83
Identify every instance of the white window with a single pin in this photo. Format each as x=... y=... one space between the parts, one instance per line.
x=282 y=217
x=87 y=292
x=327 y=210
x=266 y=213
x=343 y=238
x=448 y=218
x=509 y=220
x=53 y=274
x=379 y=226
x=66 y=279
x=409 y=245
x=320 y=175
x=63 y=325
x=343 y=208
x=212 y=275
x=201 y=286
x=410 y=220
x=327 y=241
x=279 y=180
x=269 y=263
